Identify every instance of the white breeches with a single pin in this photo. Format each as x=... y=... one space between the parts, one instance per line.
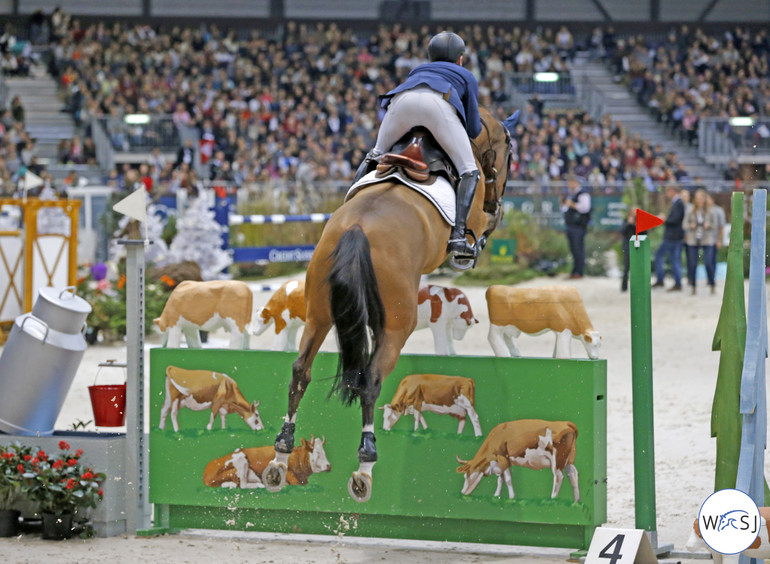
x=426 y=107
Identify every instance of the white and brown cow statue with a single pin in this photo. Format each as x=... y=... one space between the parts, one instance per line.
x=759 y=549
x=285 y=309
x=243 y=468
x=529 y=443
x=452 y=395
x=448 y=314
x=513 y=311
x=194 y=306
x=203 y=389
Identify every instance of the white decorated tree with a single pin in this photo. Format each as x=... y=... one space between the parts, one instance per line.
x=199 y=238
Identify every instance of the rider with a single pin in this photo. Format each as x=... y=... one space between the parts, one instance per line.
x=441 y=96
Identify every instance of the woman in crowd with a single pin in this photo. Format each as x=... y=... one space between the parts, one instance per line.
x=701 y=232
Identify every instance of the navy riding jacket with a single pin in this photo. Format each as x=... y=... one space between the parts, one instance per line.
x=447 y=78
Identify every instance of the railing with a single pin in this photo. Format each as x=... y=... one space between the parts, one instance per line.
x=140 y=132
x=558 y=187
x=105 y=154
x=591 y=98
x=550 y=87
x=721 y=139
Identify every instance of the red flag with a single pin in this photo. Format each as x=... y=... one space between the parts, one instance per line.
x=645 y=221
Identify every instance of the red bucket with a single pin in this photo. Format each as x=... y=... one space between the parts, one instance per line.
x=109 y=404
x=109 y=400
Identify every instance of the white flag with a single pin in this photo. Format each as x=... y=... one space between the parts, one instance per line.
x=134 y=205
x=31 y=180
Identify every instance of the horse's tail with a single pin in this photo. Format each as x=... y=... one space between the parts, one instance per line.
x=355 y=306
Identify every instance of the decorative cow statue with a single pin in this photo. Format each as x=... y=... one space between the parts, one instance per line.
x=194 y=306
x=285 y=308
x=759 y=549
x=243 y=468
x=453 y=395
x=530 y=443
x=204 y=389
x=513 y=311
x=448 y=314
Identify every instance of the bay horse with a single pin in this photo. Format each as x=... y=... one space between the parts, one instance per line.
x=364 y=278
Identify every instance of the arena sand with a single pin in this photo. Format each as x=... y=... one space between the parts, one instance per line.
x=685 y=371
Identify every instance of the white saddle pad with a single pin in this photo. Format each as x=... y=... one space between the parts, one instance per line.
x=441 y=193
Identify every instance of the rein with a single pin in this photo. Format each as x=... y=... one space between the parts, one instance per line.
x=490 y=156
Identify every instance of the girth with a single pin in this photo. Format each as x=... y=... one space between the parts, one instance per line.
x=419 y=156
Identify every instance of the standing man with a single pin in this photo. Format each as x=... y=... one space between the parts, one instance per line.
x=577 y=215
x=671 y=247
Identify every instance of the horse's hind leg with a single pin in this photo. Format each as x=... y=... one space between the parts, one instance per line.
x=360 y=484
x=274 y=476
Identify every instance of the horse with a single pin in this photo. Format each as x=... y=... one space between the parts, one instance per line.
x=364 y=278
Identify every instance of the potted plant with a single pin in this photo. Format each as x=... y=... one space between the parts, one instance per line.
x=60 y=485
x=16 y=461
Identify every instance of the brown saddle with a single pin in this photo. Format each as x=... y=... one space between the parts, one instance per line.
x=418 y=155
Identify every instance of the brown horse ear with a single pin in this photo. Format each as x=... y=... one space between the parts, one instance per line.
x=304 y=442
x=323 y=440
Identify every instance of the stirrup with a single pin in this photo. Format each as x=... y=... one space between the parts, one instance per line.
x=459 y=261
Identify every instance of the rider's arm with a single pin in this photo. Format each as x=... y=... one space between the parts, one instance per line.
x=471 y=102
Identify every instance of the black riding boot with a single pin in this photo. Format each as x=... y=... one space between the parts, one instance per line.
x=365 y=167
x=459 y=246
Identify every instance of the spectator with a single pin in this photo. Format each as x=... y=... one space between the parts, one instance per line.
x=576 y=208
x=701 y=231
x=671 y=247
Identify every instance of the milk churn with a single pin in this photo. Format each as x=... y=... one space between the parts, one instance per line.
x=40 y=360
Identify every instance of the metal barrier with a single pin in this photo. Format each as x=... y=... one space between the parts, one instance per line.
x=721 y=140
x=140 y=132
x=105 y=154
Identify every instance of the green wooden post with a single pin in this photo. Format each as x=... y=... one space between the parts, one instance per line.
x=641 y=376
x=730 y=339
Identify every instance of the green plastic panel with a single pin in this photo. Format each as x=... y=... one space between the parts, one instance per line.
x=416 y=491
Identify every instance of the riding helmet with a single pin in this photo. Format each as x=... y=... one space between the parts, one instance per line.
x=446 y=46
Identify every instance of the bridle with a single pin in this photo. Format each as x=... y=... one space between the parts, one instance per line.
x=488 y=159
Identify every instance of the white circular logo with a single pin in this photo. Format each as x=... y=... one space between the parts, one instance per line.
x=729 y=521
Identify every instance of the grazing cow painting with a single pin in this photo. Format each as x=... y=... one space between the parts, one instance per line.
x=285 y=309
x=204 y=389
x=759 y=549
x=448 y=314
x=195 y=306
x=513 y=311
x=243 y=468
x=452 y=395
x=529 y=443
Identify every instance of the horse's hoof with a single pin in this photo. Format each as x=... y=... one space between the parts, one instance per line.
x=360 y=486
x=461 y=263
x=274 y=476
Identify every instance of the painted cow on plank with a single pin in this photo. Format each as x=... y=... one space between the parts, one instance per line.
x=759 y=549
x=448 y=314
x=529 y=443
x=513 y=311
x=204 y=389
x=453 y=395
x=286 y=309
x=194 y=306
x=243 y=468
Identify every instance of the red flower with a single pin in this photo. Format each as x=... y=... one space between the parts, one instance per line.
x=101 y=493
x=87 y=476
x=27 y=457
x=42 y=455
x=79 y=452
x=63 y=445
x=70 y=483
x=58 y=465
x=35 y=461
x=72 y=462
x=20 y=468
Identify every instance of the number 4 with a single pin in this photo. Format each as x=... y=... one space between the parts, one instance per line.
x=615 y=555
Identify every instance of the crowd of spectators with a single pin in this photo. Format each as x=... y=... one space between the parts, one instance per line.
x=602 y=154
x=292 y=107
x=695 y=74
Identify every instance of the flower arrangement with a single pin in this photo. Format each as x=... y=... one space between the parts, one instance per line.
x=61 y=484
x=16 y=462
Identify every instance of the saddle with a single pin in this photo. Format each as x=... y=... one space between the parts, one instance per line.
x=419 y=156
